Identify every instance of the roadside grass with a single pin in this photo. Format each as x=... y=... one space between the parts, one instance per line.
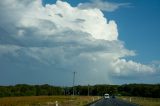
x=47 y=100
x=143 y=101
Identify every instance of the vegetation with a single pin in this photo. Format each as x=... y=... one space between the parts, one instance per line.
x=29 y=90
x=47 y=100
x=143 y=101
x=141 y=90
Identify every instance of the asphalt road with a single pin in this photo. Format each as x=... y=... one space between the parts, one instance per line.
x=112 y=102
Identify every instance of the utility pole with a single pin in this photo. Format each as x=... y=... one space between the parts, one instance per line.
x=88 y=89
x=73 y=81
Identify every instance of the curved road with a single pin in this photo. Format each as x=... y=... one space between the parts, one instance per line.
x=112 y=102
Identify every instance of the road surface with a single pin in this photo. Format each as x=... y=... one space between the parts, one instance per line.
x=112 y=102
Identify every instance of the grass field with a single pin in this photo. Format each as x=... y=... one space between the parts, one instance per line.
x=143 y=101
x=47 y=100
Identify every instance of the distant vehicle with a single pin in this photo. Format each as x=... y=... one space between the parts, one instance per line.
x=106 y=96
x=113 y=96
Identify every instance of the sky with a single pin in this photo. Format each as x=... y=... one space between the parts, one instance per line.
x=103 y=41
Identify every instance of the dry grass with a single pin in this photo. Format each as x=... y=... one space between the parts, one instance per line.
x=47 y=100
x=144 y=101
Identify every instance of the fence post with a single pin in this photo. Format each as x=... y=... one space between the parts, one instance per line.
x=93 y=99
x=56 y=103
x=130 y=99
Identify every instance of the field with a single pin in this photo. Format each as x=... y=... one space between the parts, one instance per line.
x=47 y=100
x=143 y=101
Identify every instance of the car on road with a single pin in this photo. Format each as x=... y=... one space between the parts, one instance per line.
x=113 y=96
x=106 y=96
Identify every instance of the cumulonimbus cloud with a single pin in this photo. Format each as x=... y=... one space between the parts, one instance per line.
x=62 y=37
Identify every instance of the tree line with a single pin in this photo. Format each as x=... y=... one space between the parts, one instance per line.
x=29 y=90
x=143 y=90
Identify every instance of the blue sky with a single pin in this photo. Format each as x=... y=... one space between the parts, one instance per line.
x=139 y=28
x=104 y=41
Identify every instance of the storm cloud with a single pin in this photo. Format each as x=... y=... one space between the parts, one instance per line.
x=45 y=44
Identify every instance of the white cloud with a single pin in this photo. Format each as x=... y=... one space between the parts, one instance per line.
x=62 y=37
x=103 y=5
x=123 y=67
